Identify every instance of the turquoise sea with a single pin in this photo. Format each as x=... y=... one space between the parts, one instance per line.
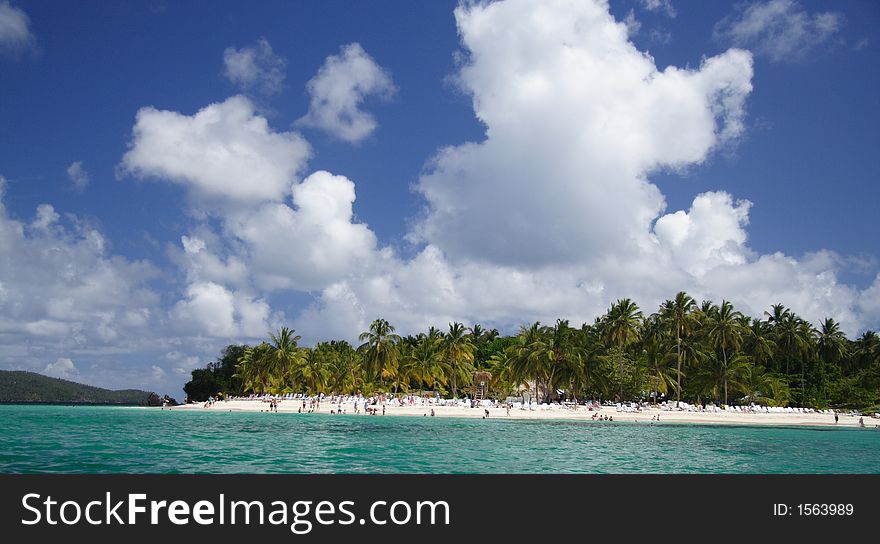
x=83 y=439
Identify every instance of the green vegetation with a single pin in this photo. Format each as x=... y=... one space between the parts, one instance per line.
x=27 y=387
x=684 y=351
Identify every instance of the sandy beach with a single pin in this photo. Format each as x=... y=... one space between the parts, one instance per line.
x=647 y=415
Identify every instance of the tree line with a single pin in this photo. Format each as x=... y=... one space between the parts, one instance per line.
x=684 y=351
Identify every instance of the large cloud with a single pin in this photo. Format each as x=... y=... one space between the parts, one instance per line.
x=575 y=119
x=224 y=152
x=63 y=292
x=553 y=213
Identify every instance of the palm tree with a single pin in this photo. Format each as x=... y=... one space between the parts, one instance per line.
x=556 y=356
x=794 y=337
x=718 y=375
x=244 y=369
x=477 y=333
x=621 y=329
x=707 y=309
x=777 y=313
x=591 y=378
x=521 y=366
x=724 y=333
x=678 y=313
x=789 y=337
x=343 y=364
x=458 y=353
x=250 y=368
x=380 y=350
x=866 y=349
x=424 y=363
x=757 y=341
x=762 y=387
x=657 y=355
x=284 y=355
x=314 y=370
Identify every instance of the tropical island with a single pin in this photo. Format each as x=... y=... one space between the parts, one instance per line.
x=684 y=354
x=21 y=387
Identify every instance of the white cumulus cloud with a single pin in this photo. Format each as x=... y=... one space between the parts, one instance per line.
x=710 y=234
x=553 y=214
x=576 y=119
x=309 y=245
x=212 y=309
x=338 y=91
x=225 y=152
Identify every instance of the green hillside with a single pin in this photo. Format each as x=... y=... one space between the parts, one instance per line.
x=26 y=387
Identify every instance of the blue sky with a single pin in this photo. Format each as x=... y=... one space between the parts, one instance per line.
x=506 y=163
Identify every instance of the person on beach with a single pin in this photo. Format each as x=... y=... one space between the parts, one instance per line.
x=861 y=422
x=432 y=412
x=835 y=418
x=487 y=412
x=508 y=408
x=383 y=409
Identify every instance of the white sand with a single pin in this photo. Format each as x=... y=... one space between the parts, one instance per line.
x=645 y=415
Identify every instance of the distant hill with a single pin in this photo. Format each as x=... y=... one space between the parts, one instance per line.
x=18 y=386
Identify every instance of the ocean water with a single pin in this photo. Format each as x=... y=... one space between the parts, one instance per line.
x=83 y=439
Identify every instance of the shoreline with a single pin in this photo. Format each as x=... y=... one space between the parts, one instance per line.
x=552 y=413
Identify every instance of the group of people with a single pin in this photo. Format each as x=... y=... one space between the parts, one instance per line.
x=313 y=405
x=599 y=417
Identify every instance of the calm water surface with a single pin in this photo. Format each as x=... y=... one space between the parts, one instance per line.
x=139 y=440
